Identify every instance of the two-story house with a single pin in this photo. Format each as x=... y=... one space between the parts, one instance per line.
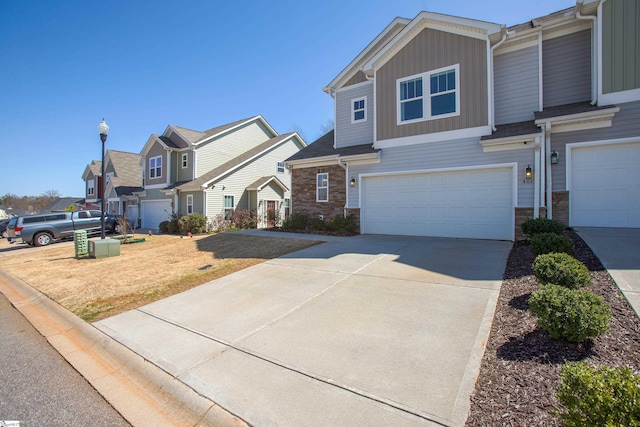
x=93 y=184
x=454 y=127
x=238 y=165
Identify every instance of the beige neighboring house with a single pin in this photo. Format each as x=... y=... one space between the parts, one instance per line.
x=239 y=165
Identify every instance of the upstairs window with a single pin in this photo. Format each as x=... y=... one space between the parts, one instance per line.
x=280 y=167
x=109 y=176
x=441 y=98
x=155 y=167
x=185 y=160
x=91 y=189
x=322 y=187
x=359 y=110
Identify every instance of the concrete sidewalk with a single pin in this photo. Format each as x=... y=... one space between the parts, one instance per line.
x=619 y=252
x=368 y=330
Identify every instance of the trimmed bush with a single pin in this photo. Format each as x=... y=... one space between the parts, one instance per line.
x=297 y=221
x=599 y=396
x=575 y=315
x=560 y=269
x=244 y=219
x=342 y=225
x=545 y=243
x=164 y=227
x=531 y=227
x=192 y=223
x=319 y=224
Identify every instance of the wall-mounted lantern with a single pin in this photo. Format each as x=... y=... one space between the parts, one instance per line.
x=528 y=174
x=554 y=157
x=352 y=182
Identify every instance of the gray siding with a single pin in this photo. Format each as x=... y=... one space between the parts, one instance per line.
x=516 y=85
x=348 y=134
x=566 y=69
x=431 y=50
x=185 y=174
x=156 y=150
x=446 y=154
x=625 y=125
x=198 y=198
x=359 y=77
x=620 y=45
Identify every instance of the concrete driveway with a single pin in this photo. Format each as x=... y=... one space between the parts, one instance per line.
x=368 y=330
x=619 y=252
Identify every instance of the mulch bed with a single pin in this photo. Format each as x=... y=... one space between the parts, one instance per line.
x=521 y=366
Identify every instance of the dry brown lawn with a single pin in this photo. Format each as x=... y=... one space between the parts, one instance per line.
x=144 y=272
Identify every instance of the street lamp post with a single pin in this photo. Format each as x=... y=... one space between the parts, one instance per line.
x=104 y=131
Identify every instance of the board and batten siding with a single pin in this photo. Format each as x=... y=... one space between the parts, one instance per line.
x=156 y=150
x=222 y=149
x=446 y=154
x=431 y=50
x=566 y=69
x=626 y=124
x=347 y=133
x=516 y=85
x=620 y=45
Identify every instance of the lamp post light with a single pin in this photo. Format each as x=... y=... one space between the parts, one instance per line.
x=104 y=131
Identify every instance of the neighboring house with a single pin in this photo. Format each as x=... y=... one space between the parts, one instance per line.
x=93 y=184
x=123 y=177
x=454 y=127
x=239 y=165
x=64 y=203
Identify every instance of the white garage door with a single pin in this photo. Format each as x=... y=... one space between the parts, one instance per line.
x=605 y=186
x=154 y=212
x=471 y=204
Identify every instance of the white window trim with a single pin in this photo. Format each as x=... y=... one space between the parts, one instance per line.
x=278 y=167
x=185 y=160
x=426 y=95
x=353 y=110
x=189 y=203
x=224 y=207
x=155 y=168
x=91 y=188
x=319 y=187
x=109 y=176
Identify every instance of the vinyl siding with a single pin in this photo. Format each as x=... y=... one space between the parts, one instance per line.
x=155 y=194
x=156 y=150
x=347 y=133
x=431 y=50
x=222 y=149
x=446 y=154
x=516 y=85
x=620 y=45
x=566 y=68
x=359 y=77
x=625 y=125
x=185 y=174
x=197 y=202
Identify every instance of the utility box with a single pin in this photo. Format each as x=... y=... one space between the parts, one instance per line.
x=104 y=248
x=80 y=243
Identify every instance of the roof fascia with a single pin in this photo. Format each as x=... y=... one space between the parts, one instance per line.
x=276 y=180
x=174 y=130
x=232 y=129
x=331 y=159
x=147 y=146
x=350 y=69
x=602 y=113
x=453 y=24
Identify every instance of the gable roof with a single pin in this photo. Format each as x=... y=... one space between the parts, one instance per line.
x=95 y=167
x=236 y=162
x=260 y=183
x=62 y=203
x=323 y=147
x=126 y=166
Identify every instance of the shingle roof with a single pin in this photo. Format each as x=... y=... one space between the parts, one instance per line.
x=513 y=129
x=195 y=136
x=127 y=191
x=236 y=161
x=569 y=109
x=127 y=168
x=62 y=203
x=265 y=179
x=168 y=142
x=323 y=147
x=95 y=167
x=536 y=22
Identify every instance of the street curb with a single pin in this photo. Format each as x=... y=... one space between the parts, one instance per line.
x=141 y=392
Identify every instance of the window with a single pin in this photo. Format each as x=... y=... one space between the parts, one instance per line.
x=185 y=160
x=322 y=187
x=109 y=176
x=91 y=188
x=189 y=204
x=359 y=110
x=228 y=207
x=155 y=167
x=287 y=208
x=441 y=100
x=280 y=167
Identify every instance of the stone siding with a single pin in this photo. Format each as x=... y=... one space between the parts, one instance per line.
x=523 y=214
x=356 y=215
x=560 y=205
x=303 y=192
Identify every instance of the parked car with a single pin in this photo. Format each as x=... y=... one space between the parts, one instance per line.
x=3 y=227
x=43 y=229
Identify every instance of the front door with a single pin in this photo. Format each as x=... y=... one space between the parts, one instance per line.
x=271 y=213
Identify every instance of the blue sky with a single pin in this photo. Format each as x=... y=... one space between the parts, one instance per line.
x=143 y=65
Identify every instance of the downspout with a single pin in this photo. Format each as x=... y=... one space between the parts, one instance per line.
x=373 y=79
x=537 y=179
x=492 y=102
x=332 y=94
x=346 y=185
x=547 y=168
x=594 y=49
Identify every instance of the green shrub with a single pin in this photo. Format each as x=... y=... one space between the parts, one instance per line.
x=599 y=396
x=342 y=225
x=318 y=224
x=560 y=269
x=531 y=227
x=296 y=221
x=173 y=226
x=574 y=315
x=545 y=243
x=192 y=223
x=164 y=227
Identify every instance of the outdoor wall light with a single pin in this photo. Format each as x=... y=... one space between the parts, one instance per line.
x=528 y=174
x=554 y=157
x=352 y=182
x=104 y=131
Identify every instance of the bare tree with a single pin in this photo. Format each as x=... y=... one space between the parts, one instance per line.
x=327 y=127
x=298 y=129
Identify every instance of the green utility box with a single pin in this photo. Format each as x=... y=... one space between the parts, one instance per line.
x=80 y=243
x=104 y=248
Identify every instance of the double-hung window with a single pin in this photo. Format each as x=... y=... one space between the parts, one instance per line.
x=428 y=96
x=91 y=187
x=228 y=207
x=359 y=110
x=322 y=187
x=280 y=167
x=189 y=204
x=185 y=160
x=155 y=167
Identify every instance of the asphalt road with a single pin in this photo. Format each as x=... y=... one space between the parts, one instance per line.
x=38 y=387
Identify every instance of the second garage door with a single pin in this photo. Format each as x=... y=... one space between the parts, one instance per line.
x=475 y=203
x=154 y=212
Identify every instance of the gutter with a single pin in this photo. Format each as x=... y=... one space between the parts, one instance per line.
x=345 y=166
x=503 y=31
